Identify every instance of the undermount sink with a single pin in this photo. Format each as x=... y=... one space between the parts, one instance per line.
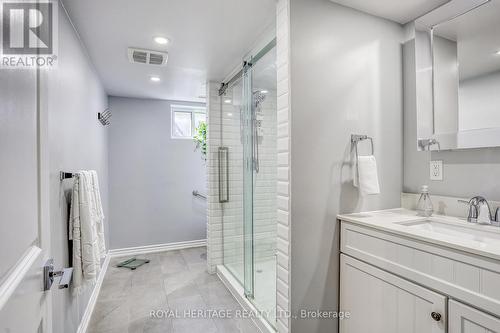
x=470 y=232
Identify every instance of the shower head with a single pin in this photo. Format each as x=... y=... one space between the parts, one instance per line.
x=258 y=98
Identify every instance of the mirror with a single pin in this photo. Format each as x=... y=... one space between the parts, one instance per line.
x=457 y=52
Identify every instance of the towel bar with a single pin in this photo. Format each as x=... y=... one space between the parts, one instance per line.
x=65 y=175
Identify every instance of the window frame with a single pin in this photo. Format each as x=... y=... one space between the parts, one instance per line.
x=185 y=109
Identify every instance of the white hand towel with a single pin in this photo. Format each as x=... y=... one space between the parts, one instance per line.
x=366 y=178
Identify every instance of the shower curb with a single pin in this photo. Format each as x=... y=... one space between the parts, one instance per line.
x=237 y=291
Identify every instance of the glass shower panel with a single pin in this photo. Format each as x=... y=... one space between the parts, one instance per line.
x=232 y=210
x=249 y=142
x=264 y=96
x=248 y=173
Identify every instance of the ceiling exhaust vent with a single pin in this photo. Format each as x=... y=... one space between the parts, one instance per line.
x=147 y=57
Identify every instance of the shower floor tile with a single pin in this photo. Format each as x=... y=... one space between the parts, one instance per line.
x=172 y=283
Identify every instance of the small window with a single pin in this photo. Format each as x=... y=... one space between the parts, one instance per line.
x=185 y=121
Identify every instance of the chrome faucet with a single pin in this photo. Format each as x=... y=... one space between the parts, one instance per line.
x=426 y=144
x=480 y=212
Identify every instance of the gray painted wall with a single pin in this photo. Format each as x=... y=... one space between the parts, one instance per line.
x=18 y=165
x=152 y=177
x=76 y=141
x=466 y=172
x=346 y=77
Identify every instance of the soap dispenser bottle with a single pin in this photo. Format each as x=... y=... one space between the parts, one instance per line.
x=424 y=206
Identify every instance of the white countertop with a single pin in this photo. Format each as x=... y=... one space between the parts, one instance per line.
x=486 y=243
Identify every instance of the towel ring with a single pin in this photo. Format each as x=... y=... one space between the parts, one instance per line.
x=355 y=138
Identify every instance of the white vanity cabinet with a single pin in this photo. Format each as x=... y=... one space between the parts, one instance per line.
x=380 y=302
x=464 y=319
x=392 y=282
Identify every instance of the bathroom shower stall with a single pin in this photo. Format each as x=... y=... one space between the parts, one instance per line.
x=247 y=160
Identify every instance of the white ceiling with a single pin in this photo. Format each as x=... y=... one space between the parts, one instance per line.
x=209 y=39
x=401 y=11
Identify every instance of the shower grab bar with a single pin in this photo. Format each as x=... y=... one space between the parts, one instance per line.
x=198 y=194
x=223 y=193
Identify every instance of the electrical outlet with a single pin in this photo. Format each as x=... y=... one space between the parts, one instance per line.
x=436 y=170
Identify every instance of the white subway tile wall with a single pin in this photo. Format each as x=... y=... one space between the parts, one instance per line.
x=214 y=210
x=283 y=172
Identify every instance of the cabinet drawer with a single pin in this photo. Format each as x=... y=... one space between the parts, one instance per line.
x=380 y=302
x=466 y=277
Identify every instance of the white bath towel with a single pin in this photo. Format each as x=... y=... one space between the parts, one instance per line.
x=85 y=229
x=366 y=177
x=99 y=213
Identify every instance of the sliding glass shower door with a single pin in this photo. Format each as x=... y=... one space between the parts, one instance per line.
x=248 y=173
x=263 y=125
x=248 y=133
x=231 y=106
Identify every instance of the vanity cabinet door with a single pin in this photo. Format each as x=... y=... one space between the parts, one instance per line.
x=380 y=302
x=464 y=319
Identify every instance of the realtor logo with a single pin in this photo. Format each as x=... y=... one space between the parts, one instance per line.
x=28 y=33
x=27 y=28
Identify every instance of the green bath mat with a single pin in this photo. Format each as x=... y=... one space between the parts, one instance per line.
x=132 y=263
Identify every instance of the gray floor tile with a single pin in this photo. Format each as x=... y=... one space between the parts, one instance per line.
x=115 y=287
x=217 y=296
x=235 y=326
x=247 y=326
x=201 y=275
x=172 y=262
x=109 y=315
x=187 y=304
x=227 y=325
x=195 y=255
x=148 y=325
x=173 y=280
x=180 y=284
x=180 y=290
x=144 y=300
x=120 y=329
x=187 y=325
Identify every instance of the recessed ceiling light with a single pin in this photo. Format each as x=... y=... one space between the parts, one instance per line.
x=497 y=53
x=229 y=114
x=155 y=78
x=264 y=91
x=227 y=101
x=161 y=40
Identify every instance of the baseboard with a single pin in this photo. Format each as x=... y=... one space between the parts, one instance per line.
x=157 y=248
x=84 y=323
